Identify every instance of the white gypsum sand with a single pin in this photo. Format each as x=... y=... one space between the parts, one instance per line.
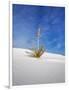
x=49 y=68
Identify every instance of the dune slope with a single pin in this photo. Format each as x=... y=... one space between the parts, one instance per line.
x=50 y=68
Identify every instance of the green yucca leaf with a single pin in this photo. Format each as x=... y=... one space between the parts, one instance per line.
x=38 y=52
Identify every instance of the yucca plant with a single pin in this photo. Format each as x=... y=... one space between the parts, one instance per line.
x=40 y=49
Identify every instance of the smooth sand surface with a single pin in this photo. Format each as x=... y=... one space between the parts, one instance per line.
x=49 y=68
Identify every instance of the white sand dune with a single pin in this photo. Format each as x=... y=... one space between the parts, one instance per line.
x=50 y=68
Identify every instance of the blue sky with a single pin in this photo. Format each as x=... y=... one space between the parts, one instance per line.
x=51 y=20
